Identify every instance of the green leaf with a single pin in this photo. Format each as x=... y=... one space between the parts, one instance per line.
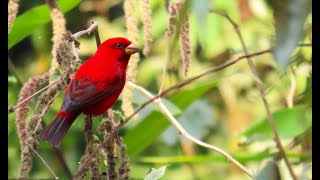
x=270 y=171
x=140 y=98
x=289 y=16
x=26 y=23
x=289 y=123
x=199 y=109
x=155 y=174
x=155 y=123
x=210 y=31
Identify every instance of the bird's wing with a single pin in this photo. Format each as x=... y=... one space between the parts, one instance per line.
x=82 y=92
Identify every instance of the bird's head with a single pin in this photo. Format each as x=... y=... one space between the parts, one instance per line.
x=119 y=49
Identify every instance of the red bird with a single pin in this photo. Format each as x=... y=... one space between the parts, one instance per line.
x=95 y=87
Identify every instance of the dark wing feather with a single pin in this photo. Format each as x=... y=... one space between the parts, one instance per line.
x=82 y=92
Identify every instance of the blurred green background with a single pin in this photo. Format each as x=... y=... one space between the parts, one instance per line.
x=223 y=109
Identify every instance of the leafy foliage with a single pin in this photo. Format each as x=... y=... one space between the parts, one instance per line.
x=26 y=23
x=289 y=122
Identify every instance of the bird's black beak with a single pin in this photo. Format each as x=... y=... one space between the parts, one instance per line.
x=131 y=49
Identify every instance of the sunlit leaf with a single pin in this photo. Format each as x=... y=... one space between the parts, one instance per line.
x=289 y=123
x=155 y=174
x=26 y=23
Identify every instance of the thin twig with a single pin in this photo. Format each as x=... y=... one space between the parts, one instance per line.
x=59 y=154
x=65 y=167
x=30 y=97
x=262 y=93
x=164 y=67
x=44 y=162
x=55 y=97
x=90 y=29
x=96 y=35
x=76 y=36
x=292 y=89
x=184 y=133
x=171 y=41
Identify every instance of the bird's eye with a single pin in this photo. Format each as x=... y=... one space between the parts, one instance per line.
x=118 y=45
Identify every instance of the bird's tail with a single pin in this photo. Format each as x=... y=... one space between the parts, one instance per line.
x=57 y=129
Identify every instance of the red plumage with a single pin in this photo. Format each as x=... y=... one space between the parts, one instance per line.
x=95 y=87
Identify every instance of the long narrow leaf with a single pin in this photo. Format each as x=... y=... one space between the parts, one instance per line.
x=26 y=23
x=242 y=157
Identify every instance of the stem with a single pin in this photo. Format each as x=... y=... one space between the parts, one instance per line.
x=262 y=94
x=44 y=162
x=76 y=36
x=292 y=89
x=59 y=154
x=96 y=35
x=30 y=97
x=184 y=133
x=63 y=162
x=165 y=66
